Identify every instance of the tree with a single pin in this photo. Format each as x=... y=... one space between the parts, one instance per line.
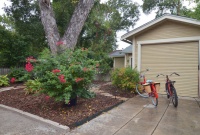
x=193 y=13
x=24 y=15
x=164 y=6
x=104 y=21
x=74 y=28
x=14 y=48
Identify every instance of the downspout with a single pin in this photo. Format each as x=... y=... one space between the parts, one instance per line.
x=133 y=53
x=199 y=71
x=139 y=57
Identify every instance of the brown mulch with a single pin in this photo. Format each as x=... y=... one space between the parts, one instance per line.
x=113 y=90
x=57 y=111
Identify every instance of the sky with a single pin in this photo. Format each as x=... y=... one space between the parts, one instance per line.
x=121 y=45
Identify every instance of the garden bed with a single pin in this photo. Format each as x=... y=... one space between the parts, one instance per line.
x=113 y=90
x=47 y=108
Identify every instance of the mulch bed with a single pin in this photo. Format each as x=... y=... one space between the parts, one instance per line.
x=58 y=111
x=113 y=90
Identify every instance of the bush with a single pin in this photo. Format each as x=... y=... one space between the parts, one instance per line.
x=65 y=76
x=125 y=78
x=4 y=81
x=32 y=86
x=18 y=73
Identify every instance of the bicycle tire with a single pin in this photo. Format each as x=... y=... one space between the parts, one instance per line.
x=142 y=92
x=174 y=96
x=167 y=91
x=154 y=100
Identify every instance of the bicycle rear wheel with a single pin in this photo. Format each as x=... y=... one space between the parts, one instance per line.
x=140 y=90
x=174 y=96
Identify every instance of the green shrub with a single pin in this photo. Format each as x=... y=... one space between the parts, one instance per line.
x=125 y=78
x=18 y=73
x=4 y=81
x=32 y=86
x=65 y=76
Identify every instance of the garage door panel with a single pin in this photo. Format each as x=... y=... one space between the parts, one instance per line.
x=177 y=57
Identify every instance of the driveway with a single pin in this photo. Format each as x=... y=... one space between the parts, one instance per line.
x=137 y=116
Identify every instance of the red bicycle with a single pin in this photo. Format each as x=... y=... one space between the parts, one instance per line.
x=170 y=89
x=148 y=88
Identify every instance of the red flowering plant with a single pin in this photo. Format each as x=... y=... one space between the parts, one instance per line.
x=67 y=75
x=13 y=80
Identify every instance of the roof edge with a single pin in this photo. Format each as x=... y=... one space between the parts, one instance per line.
x=154 y=21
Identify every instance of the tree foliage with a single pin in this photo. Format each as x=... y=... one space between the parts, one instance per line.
x=98 y=33
x=165 y=6
x=104 y=21
x=14 y=48
x=195 y=13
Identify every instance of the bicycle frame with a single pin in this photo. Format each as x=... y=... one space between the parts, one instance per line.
x=148 y=89
x=168 y=85
x=170 y=89
x=153 y=90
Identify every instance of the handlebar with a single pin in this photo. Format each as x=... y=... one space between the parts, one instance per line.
x=169 y=75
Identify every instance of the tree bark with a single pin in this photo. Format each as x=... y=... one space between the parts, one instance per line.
x=50 y=26
x=76 y=23
x=69 y=40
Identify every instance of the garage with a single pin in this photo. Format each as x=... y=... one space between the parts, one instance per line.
x=173 y=57
x=168 y=44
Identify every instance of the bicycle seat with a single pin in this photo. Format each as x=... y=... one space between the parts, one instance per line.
x=172 y=81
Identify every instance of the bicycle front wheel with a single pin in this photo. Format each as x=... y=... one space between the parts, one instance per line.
x=140 y=90
x=154 y=99
x=174 y=96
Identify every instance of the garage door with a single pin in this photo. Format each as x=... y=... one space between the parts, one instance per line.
x=177 y=57
x=118 y=62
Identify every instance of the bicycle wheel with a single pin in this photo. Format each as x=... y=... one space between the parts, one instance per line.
x=174 y=96
x=154 y=99
x=140 y=90
x=167 y=91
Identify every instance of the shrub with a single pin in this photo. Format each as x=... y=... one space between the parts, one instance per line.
x=125 y=78
x=18 y=73
x=65 y=76
x=32 y=86
x=4 y=81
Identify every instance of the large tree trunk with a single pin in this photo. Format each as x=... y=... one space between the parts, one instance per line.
x=69 y=40
x=50 y=26
x=76 y=23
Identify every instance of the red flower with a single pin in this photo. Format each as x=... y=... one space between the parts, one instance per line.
x=56 y=71
x=29 y=67
x=62 y=78
x=85 y=69
x=47 y=98
x=12 y=80
x=59 y=43
x=78 y=79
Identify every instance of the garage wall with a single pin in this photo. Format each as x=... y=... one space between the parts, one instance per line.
x=119 y=62
x=169 y=29
x=166 y=30
x=128 y=57
x=174 y=57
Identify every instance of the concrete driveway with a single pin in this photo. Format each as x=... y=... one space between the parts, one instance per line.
x=137 y=116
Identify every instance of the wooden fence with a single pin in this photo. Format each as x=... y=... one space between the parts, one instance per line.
x=4 y=71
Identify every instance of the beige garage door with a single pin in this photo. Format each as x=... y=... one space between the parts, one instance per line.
x=119 y=62
x=177 y=57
